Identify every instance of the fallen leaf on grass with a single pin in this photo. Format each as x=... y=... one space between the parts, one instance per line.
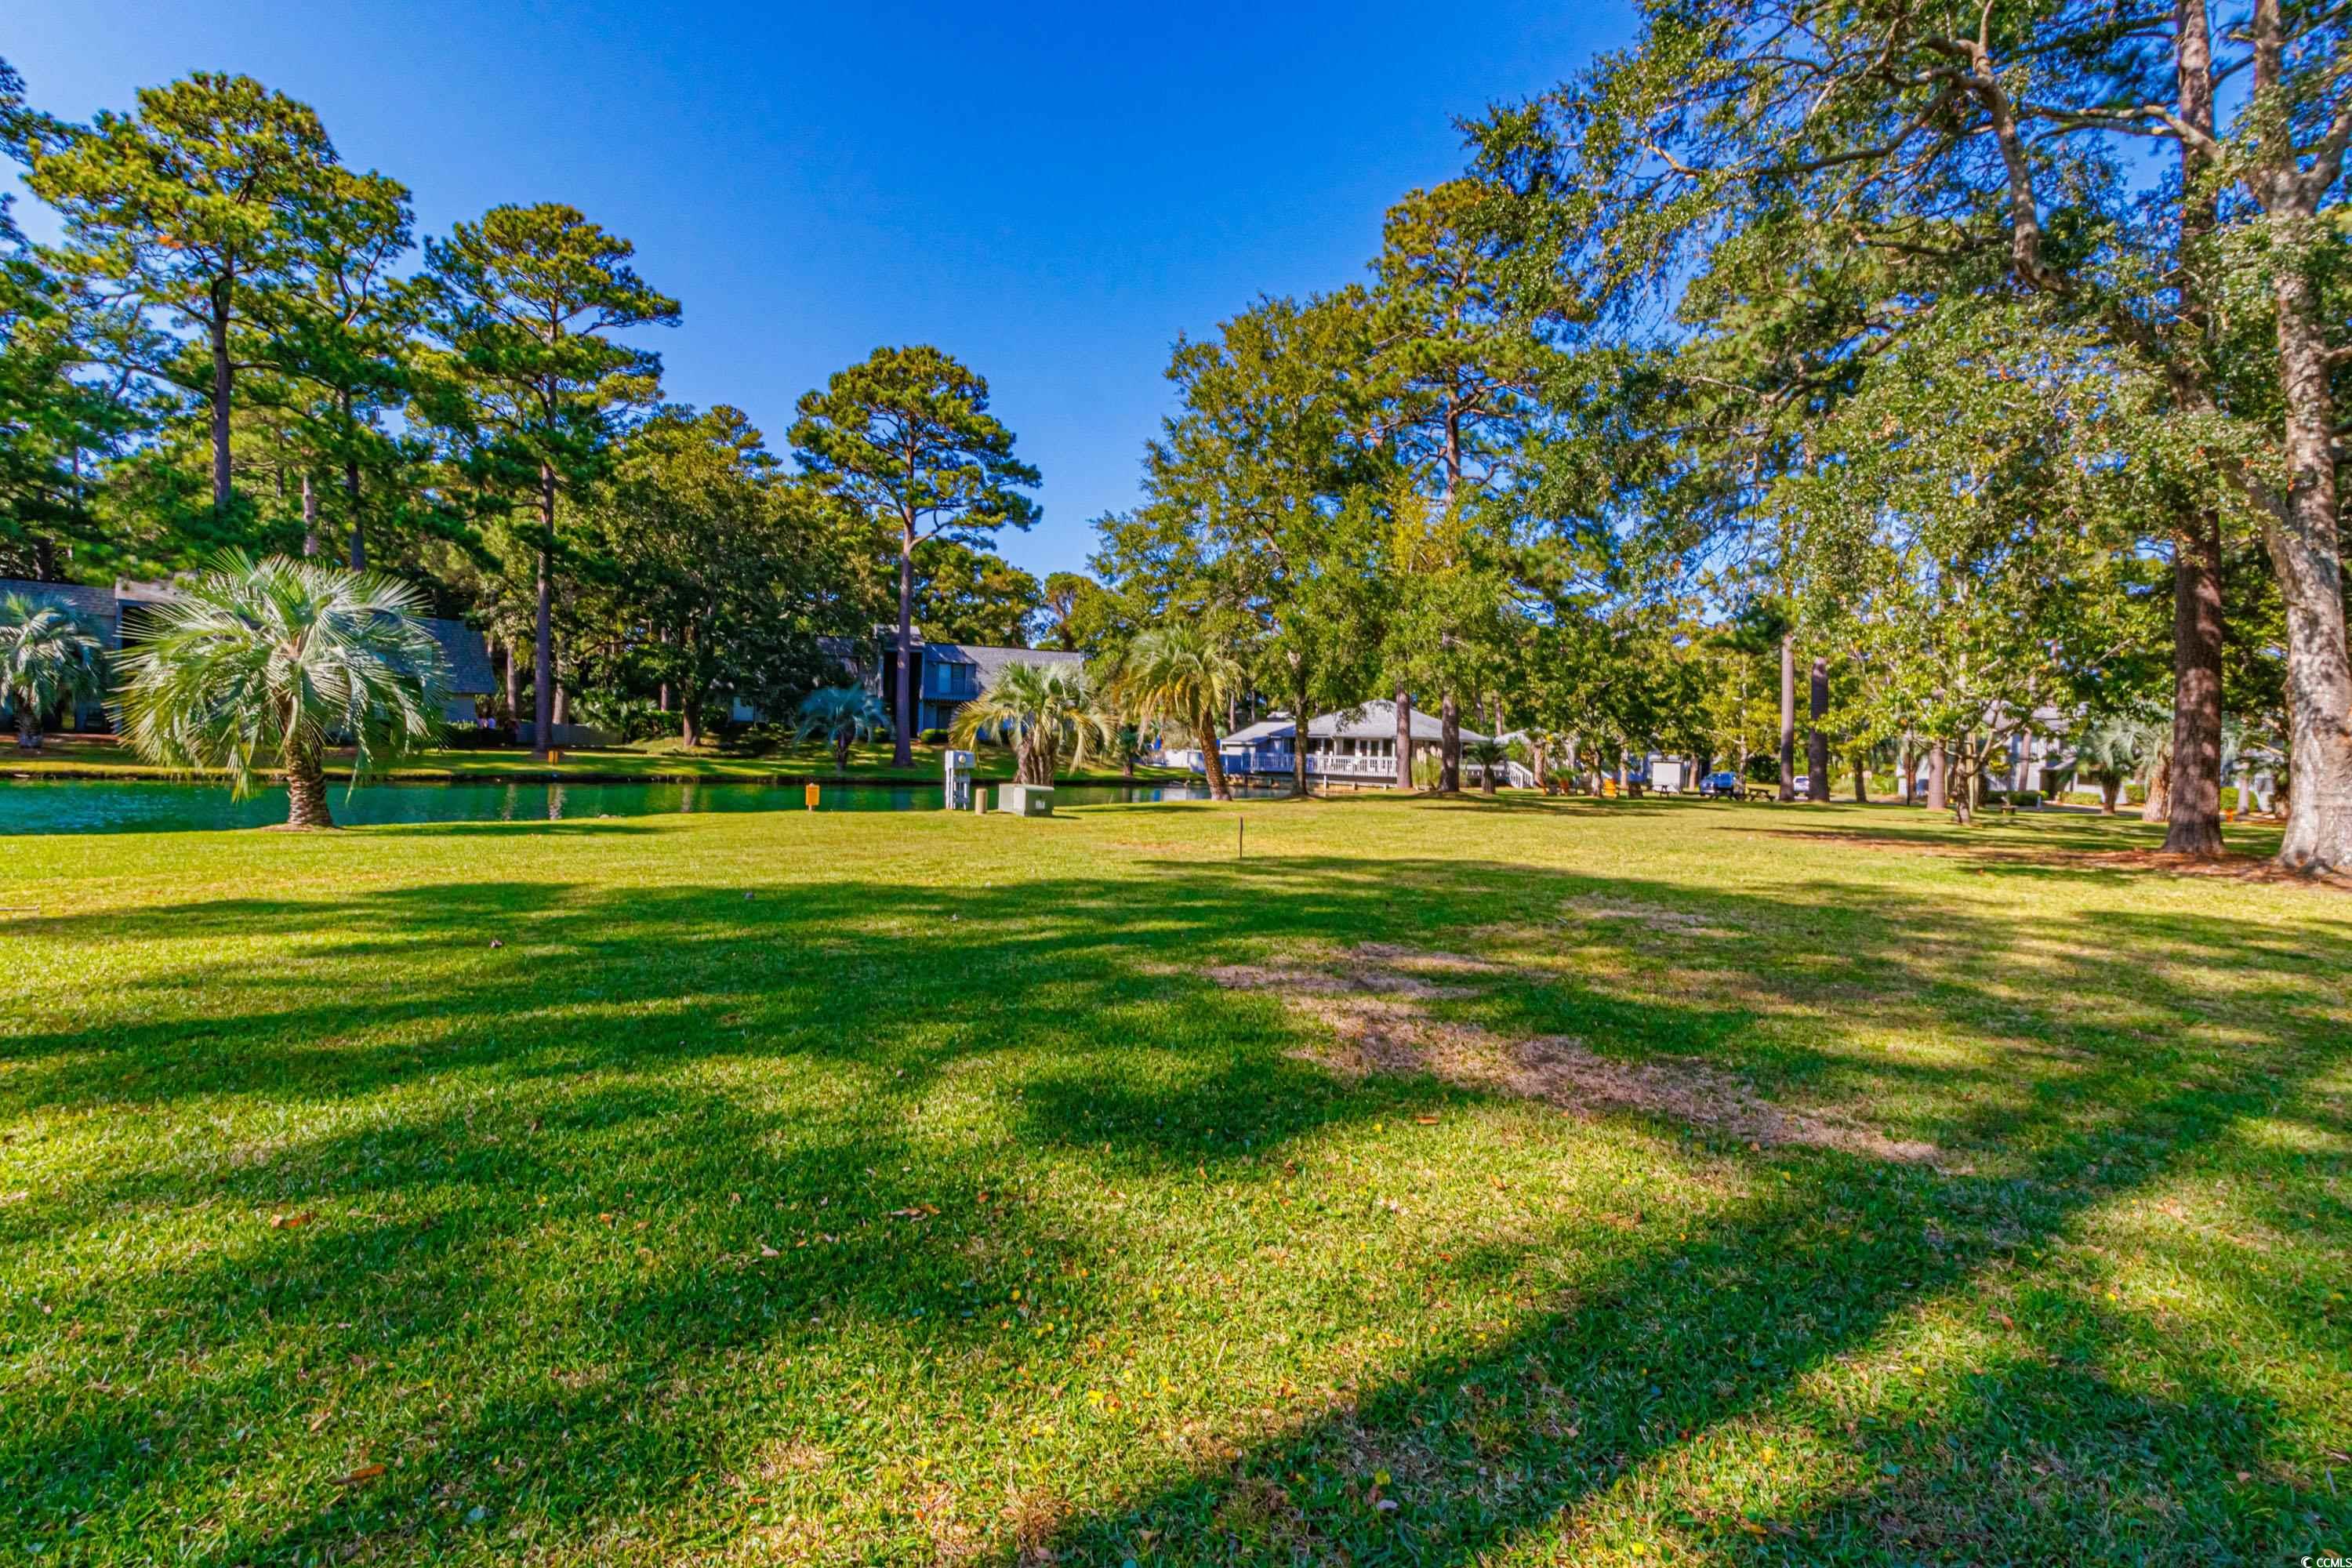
x=364 y=1473
x=289 y=1221
x=320 y=1419
x=920 y=1211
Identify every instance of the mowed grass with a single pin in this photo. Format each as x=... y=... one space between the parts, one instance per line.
x=924 y=1188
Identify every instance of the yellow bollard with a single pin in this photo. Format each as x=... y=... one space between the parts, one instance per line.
x=810 y=795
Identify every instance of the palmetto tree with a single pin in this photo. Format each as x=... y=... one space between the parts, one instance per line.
x=1176 y=673
x=1490 y=757
x=1043 y=709
x=842 y=716
x=262 y=661
x=46 y=654
x=2109 y=750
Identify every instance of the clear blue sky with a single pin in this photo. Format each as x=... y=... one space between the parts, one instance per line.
x=1050 y=192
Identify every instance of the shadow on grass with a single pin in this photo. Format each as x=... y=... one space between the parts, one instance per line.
x=514 y=1173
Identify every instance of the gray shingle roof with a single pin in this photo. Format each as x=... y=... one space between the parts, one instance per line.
x=95 y=606
x=1375 y=721
x=470 y=674
x=993 y=659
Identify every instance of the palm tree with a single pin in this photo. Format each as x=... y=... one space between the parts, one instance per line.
x=843 y=716
x=46 y=654
x=262 y=661
x=2108 y=751
x=1176 y=674
x=1490 y=757
x=1040 y=708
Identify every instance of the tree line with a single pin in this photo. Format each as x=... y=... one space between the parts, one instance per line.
x=1901 y=376
x=239 y=344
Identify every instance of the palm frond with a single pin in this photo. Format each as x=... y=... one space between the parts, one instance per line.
x=255 y=660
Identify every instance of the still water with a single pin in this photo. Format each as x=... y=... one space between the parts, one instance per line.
x=73 y=805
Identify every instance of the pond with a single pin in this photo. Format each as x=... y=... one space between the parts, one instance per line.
x=76 y=805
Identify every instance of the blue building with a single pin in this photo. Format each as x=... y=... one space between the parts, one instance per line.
x=950 y=674
x=106 y=611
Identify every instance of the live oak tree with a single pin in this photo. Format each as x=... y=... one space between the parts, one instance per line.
x=526 y=304
x=906 y=435
x=190 y=209
x=714 y=569
x=1266 y=468
x=1984 y=149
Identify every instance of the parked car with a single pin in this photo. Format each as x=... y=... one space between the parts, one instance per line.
x=1724 y=784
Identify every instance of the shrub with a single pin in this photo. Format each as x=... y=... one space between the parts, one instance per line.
x=933 y=737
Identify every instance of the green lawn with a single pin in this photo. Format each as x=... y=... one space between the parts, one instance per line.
x=99 y=757
x=1495 y=1183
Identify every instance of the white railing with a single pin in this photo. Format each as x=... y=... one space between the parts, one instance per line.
x=1357 y=765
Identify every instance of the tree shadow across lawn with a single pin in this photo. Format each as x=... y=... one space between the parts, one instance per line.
x=568 y=1192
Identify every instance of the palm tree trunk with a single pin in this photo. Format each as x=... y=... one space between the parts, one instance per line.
x=28 y=725
x=1939 y=782
x=2158 y=805
x=305 y=789
x=1212 y=766
x=2109 y=788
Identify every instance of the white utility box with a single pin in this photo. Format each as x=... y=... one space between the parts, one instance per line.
x=1025 y=800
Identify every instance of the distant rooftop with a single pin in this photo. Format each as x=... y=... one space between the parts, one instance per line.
x=1375 y=721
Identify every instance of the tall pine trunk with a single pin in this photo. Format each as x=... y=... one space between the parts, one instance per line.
x=1939 y=776
x=902 y=730
x=542 y=667
x=224 y=386
x=359 y=555
x=2193 y=809
x=310 y=518
x=1403 y=738
x=1817 y=739
x=1787 y=718
x=2194 y=826
x=1449 y=745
